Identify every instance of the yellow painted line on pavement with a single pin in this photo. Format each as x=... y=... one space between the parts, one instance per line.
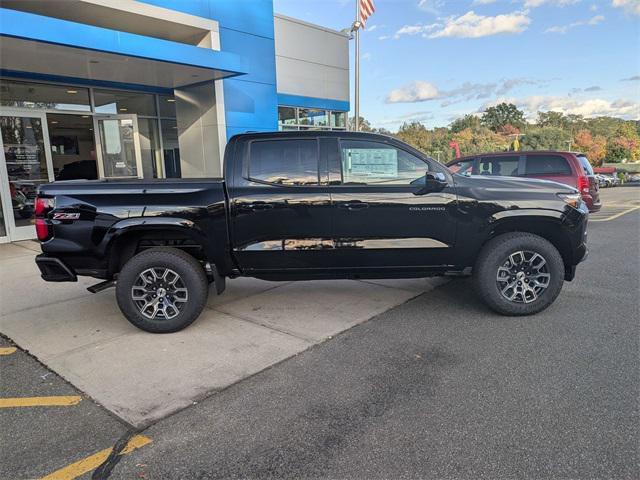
x=613 y=217
x=7 y=350
x=58 y=401
x=94 y=461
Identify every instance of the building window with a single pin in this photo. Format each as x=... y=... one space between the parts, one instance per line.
x=338 y=119
x=294 y=118
x=167 y=106
x=312 y=117
x=115 y=101
x=170 y=148
x=43 y=96
x=287 y=117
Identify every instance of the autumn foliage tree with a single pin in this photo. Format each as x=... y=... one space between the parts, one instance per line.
x=594 y=147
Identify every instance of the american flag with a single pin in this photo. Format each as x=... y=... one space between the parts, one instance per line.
x=366 y=10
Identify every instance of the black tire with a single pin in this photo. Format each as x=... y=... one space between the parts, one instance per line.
x=182 y=301
x=495 y=272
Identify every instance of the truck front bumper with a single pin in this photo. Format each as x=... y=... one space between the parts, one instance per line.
x=54 y=270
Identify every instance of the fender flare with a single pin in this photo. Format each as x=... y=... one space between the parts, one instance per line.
x=146 y=224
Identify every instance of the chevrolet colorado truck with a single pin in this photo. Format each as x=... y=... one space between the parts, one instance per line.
x=310 y=205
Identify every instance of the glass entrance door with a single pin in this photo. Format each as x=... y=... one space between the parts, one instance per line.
x=118 y=146
x=25 y=164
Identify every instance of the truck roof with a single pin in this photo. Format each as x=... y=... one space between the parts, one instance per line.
x=313 y=133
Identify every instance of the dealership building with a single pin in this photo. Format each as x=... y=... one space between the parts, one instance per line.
x=147 y=89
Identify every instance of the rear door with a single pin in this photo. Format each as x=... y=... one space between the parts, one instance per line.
x=280 y=211
x=381 y=221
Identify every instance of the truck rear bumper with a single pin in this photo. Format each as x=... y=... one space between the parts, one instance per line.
x=54 y=270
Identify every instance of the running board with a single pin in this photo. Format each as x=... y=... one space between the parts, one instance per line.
x=98 y=287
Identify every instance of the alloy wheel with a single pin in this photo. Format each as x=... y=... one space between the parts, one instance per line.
x=159 y=293
x=523 y=276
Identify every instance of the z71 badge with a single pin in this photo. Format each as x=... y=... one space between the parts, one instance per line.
x=66 y=216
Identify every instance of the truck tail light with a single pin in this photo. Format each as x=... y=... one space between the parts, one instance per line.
x=42 y=207
x=583 y=184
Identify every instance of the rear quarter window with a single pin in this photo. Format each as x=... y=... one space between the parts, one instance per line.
x=547 y=165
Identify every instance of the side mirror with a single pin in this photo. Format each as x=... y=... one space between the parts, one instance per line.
x=433 y=182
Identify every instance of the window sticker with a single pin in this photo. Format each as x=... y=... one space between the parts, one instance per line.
x=374 y=162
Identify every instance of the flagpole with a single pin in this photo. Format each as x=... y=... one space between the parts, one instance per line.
x=357 y=65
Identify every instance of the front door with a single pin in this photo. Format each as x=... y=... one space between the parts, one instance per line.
x=118 y=146
x=383 y=220
x=25 y=164
x=280 y=210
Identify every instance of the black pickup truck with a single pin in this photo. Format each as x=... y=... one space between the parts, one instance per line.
x=310 y=205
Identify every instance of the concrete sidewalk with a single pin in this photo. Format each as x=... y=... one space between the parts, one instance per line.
x=142 y=377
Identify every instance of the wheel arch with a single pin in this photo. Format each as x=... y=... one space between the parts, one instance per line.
x=128 y=237
x=548 y=227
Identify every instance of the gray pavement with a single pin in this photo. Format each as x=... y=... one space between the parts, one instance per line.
x=38 y=440
x=438 y=388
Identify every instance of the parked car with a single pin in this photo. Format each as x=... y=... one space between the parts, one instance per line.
x=311 y=205
x=602 y=180
x=564 y=167
x=612 y=180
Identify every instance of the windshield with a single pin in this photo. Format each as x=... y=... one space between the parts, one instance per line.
x=586 y=166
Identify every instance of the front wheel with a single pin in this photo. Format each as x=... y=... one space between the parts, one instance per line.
x=162 y=290
x=519 y=274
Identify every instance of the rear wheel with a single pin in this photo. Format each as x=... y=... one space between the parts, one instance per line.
x=519 y=274
x=162 y=290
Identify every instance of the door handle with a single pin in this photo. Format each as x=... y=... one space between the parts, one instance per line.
x=259 y=206
x=354 y=205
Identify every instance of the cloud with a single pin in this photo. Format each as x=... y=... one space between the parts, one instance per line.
x=417 y=91
x=422 y=29
x=431 y=6
x=483 y=2
x=593 y=107
x=635 y=78
x=594 y=88
x=539 y=3
x=629 y=6
x=371 y=28
x=366 y=56
x=420 y=91
x=420 y=116
x=472 y=25
x=565 y=28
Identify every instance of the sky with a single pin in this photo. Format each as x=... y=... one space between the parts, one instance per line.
x=436 y=60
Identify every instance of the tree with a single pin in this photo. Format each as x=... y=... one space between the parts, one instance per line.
x=552 y=119
x=501 y=115
x=595 y=148
x=365 y=126
x=625 y=145
x=546 y=138
x=468 y=121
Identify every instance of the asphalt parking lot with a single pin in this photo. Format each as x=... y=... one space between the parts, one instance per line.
x=437 y=387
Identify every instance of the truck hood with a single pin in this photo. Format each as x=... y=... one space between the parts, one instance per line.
x=512 y=184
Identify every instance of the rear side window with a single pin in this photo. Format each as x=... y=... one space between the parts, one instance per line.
x=284 y=162
x=547 y=165
x=586 y=166
x=506 y=166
